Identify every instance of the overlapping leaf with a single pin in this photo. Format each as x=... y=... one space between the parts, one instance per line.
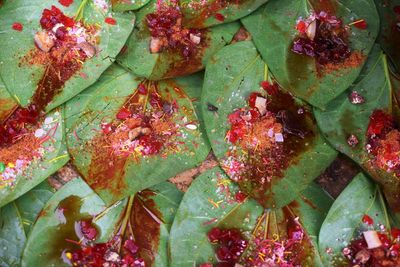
x=344 y=220
x=210 y=202
x=114 y=177
x=234 y=73
x=170 y=63
x=273 y=27
x=203 y=14
x=16 y=220
x=51 y=154
x=22 y=79
x=74 y=202
x=343 y=119
x=147 y=218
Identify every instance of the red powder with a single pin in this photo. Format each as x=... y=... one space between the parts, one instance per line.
x=17 y=26
x=367 y=220
x=66 y=3
x=110 y=21
x=219 y=17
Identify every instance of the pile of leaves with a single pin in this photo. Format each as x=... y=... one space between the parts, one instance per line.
x=199 y=133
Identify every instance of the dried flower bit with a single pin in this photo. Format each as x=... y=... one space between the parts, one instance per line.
x=352 y=141
x=383 y=142
x=230 y=242
x=322 y=37
x=167 y=31
x=88 y=49
x=356 y=98
x=44 y=41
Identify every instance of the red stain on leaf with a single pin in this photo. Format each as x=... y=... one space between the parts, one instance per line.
x=17 y=26
x=110 y=21
x=66 y=3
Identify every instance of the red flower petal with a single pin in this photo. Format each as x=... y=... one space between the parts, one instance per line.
x=301 y=26
x=110 y=21
x=123 y=114
x=66 y=3
x=17 y=26
x=367 y=220
x=219 y=17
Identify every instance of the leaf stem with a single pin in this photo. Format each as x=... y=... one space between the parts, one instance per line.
x=127 y=214
x=79 y=13
x=382 y=201
x=265 y=71
x=386 y=67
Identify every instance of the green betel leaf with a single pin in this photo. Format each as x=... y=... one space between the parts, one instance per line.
x=78 y=48
x=213 y=201
x=75 y=220
x=273 y=27
x=346 y=124
x=273 y=156
x=127 y=134
x=125 y=5
x=158 y=58
x=358 y=208
x=7 y=103
x=35 y=156
x=389 y=36
x=16 y=220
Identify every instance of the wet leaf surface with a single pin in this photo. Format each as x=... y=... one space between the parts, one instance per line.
x=171 y=62
x=345 y=218
x=211 y=202
x=273 y=27
x=183 y=146
x=145 y=217
x=374 y=85
x=228 y=84
x=39 y=82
